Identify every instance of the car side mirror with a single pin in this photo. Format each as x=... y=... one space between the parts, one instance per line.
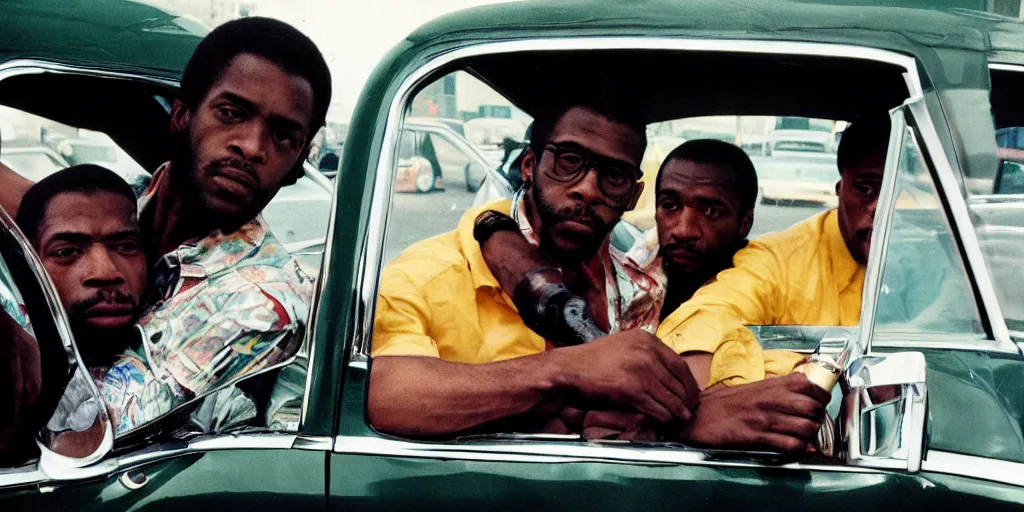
x=49 y=393
x=884 y=411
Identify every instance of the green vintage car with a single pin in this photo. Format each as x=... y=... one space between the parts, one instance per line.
x=931 y=410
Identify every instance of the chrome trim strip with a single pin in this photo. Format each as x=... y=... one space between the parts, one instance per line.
x=1006 y=67
x=323 y=280
x=370 y=260
x=16 y=477
x=548 y=452
x=1006 y=472
x=31 y=66
x=881 y=231
x=960 y=218
x=917 y=343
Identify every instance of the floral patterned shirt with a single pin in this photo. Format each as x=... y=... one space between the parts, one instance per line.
x=225 y=305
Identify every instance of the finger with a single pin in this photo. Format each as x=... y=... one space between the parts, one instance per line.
x=795 y=404
x=663 y=392
x=646 y=404
x=782 y=442
x=799 y=382
x=795 y=426
x=684 y=385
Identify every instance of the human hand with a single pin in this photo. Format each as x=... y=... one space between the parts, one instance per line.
x=632 y=369
x=781 y=414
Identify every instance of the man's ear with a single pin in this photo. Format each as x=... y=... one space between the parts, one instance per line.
x=746 y=223
x=839 y=185
x=528 y=165
x=636 y=196
x=181 y=117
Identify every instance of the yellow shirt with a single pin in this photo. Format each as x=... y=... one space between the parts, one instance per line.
x=804 y=275
x=439 y=299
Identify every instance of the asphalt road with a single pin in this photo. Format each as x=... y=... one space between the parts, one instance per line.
x=418 y=216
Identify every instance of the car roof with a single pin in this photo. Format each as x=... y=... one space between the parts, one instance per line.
x=882 y=26
x=120 y=35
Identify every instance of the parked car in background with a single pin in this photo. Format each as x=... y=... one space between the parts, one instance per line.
x=796 y=180
x=435 y=157
x=31 y=159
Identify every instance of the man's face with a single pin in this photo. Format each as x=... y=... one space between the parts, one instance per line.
x=90 y=246
x=858 y=195
x=574 y=218
x=245 y=136
x=699 y=215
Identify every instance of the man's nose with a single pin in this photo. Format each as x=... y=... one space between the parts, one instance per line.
x=588 y=188
x=102 y=271
x=250 y=141
x=688 y=226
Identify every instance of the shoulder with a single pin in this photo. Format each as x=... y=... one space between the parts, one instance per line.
x=789 y=242
x=426 y=263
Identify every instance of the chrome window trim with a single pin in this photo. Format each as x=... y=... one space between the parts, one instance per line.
x=158 y=452
x=370 y=265
x=959 y=217
x=995 y=470
x=1006 y=67
x=882 y=226
x=29 y=66
x=557 y=452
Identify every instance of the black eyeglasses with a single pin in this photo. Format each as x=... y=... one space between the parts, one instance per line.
x=617 y=180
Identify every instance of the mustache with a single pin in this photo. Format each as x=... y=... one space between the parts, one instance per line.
x=236 y=163
x=864 y=233
x=686 y=245
x=81 y=308
x=579 y=213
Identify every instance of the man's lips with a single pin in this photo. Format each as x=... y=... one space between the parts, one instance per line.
x=681 y=256
x=109 y=314
x=236 y=181
x=577 y=226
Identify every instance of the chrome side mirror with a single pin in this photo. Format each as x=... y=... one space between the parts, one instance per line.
x=884 y=411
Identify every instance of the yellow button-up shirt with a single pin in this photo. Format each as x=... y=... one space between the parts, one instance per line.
x=804 y=275
x=439 y=299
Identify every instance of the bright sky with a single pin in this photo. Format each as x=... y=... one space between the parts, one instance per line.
x=355 y=34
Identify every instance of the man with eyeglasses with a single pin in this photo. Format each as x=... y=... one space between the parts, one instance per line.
x=451 y=353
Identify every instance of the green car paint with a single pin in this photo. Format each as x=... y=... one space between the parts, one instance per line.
x=977 y=398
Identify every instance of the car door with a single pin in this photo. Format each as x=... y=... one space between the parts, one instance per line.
x=370 y=470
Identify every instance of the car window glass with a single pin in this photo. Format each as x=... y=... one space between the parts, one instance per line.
x=441 y=171
x=924 y=287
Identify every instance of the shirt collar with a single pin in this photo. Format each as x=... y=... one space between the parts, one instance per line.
x=844 y=267
x=481 y=274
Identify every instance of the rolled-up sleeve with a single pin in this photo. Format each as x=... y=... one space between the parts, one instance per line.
x=714 y=320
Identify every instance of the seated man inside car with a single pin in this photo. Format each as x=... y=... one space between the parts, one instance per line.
x=451 y=353
x=252 y=96
x=809 y=274
x=705 y=196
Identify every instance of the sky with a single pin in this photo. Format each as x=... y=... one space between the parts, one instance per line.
x=355 y=34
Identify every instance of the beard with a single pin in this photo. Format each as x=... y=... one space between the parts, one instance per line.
x=550 y=216
x=100 y=346
x=711 y=263
x=185 y=181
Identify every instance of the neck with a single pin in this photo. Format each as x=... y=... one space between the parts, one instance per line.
x=169 y=222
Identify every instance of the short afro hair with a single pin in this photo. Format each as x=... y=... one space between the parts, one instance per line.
x=544 y=124
x=720 y=153
x=81 y=179
x=270 y=39
x=867 y=136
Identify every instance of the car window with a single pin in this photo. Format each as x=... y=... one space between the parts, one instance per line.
x=999 y=216
x=433 y=185
x=924 y=287
x=34 y=163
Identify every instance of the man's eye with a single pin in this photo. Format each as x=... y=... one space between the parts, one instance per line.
x=668 y=205
x=128 y=247
x=229 y=113
x=283 y=137
x=867 y=190
x=711 y=212
x=66 y=252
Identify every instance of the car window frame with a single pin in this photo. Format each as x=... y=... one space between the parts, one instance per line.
x=30 y=474
x=355 y=435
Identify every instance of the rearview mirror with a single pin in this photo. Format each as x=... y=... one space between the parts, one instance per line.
x=884 y=412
